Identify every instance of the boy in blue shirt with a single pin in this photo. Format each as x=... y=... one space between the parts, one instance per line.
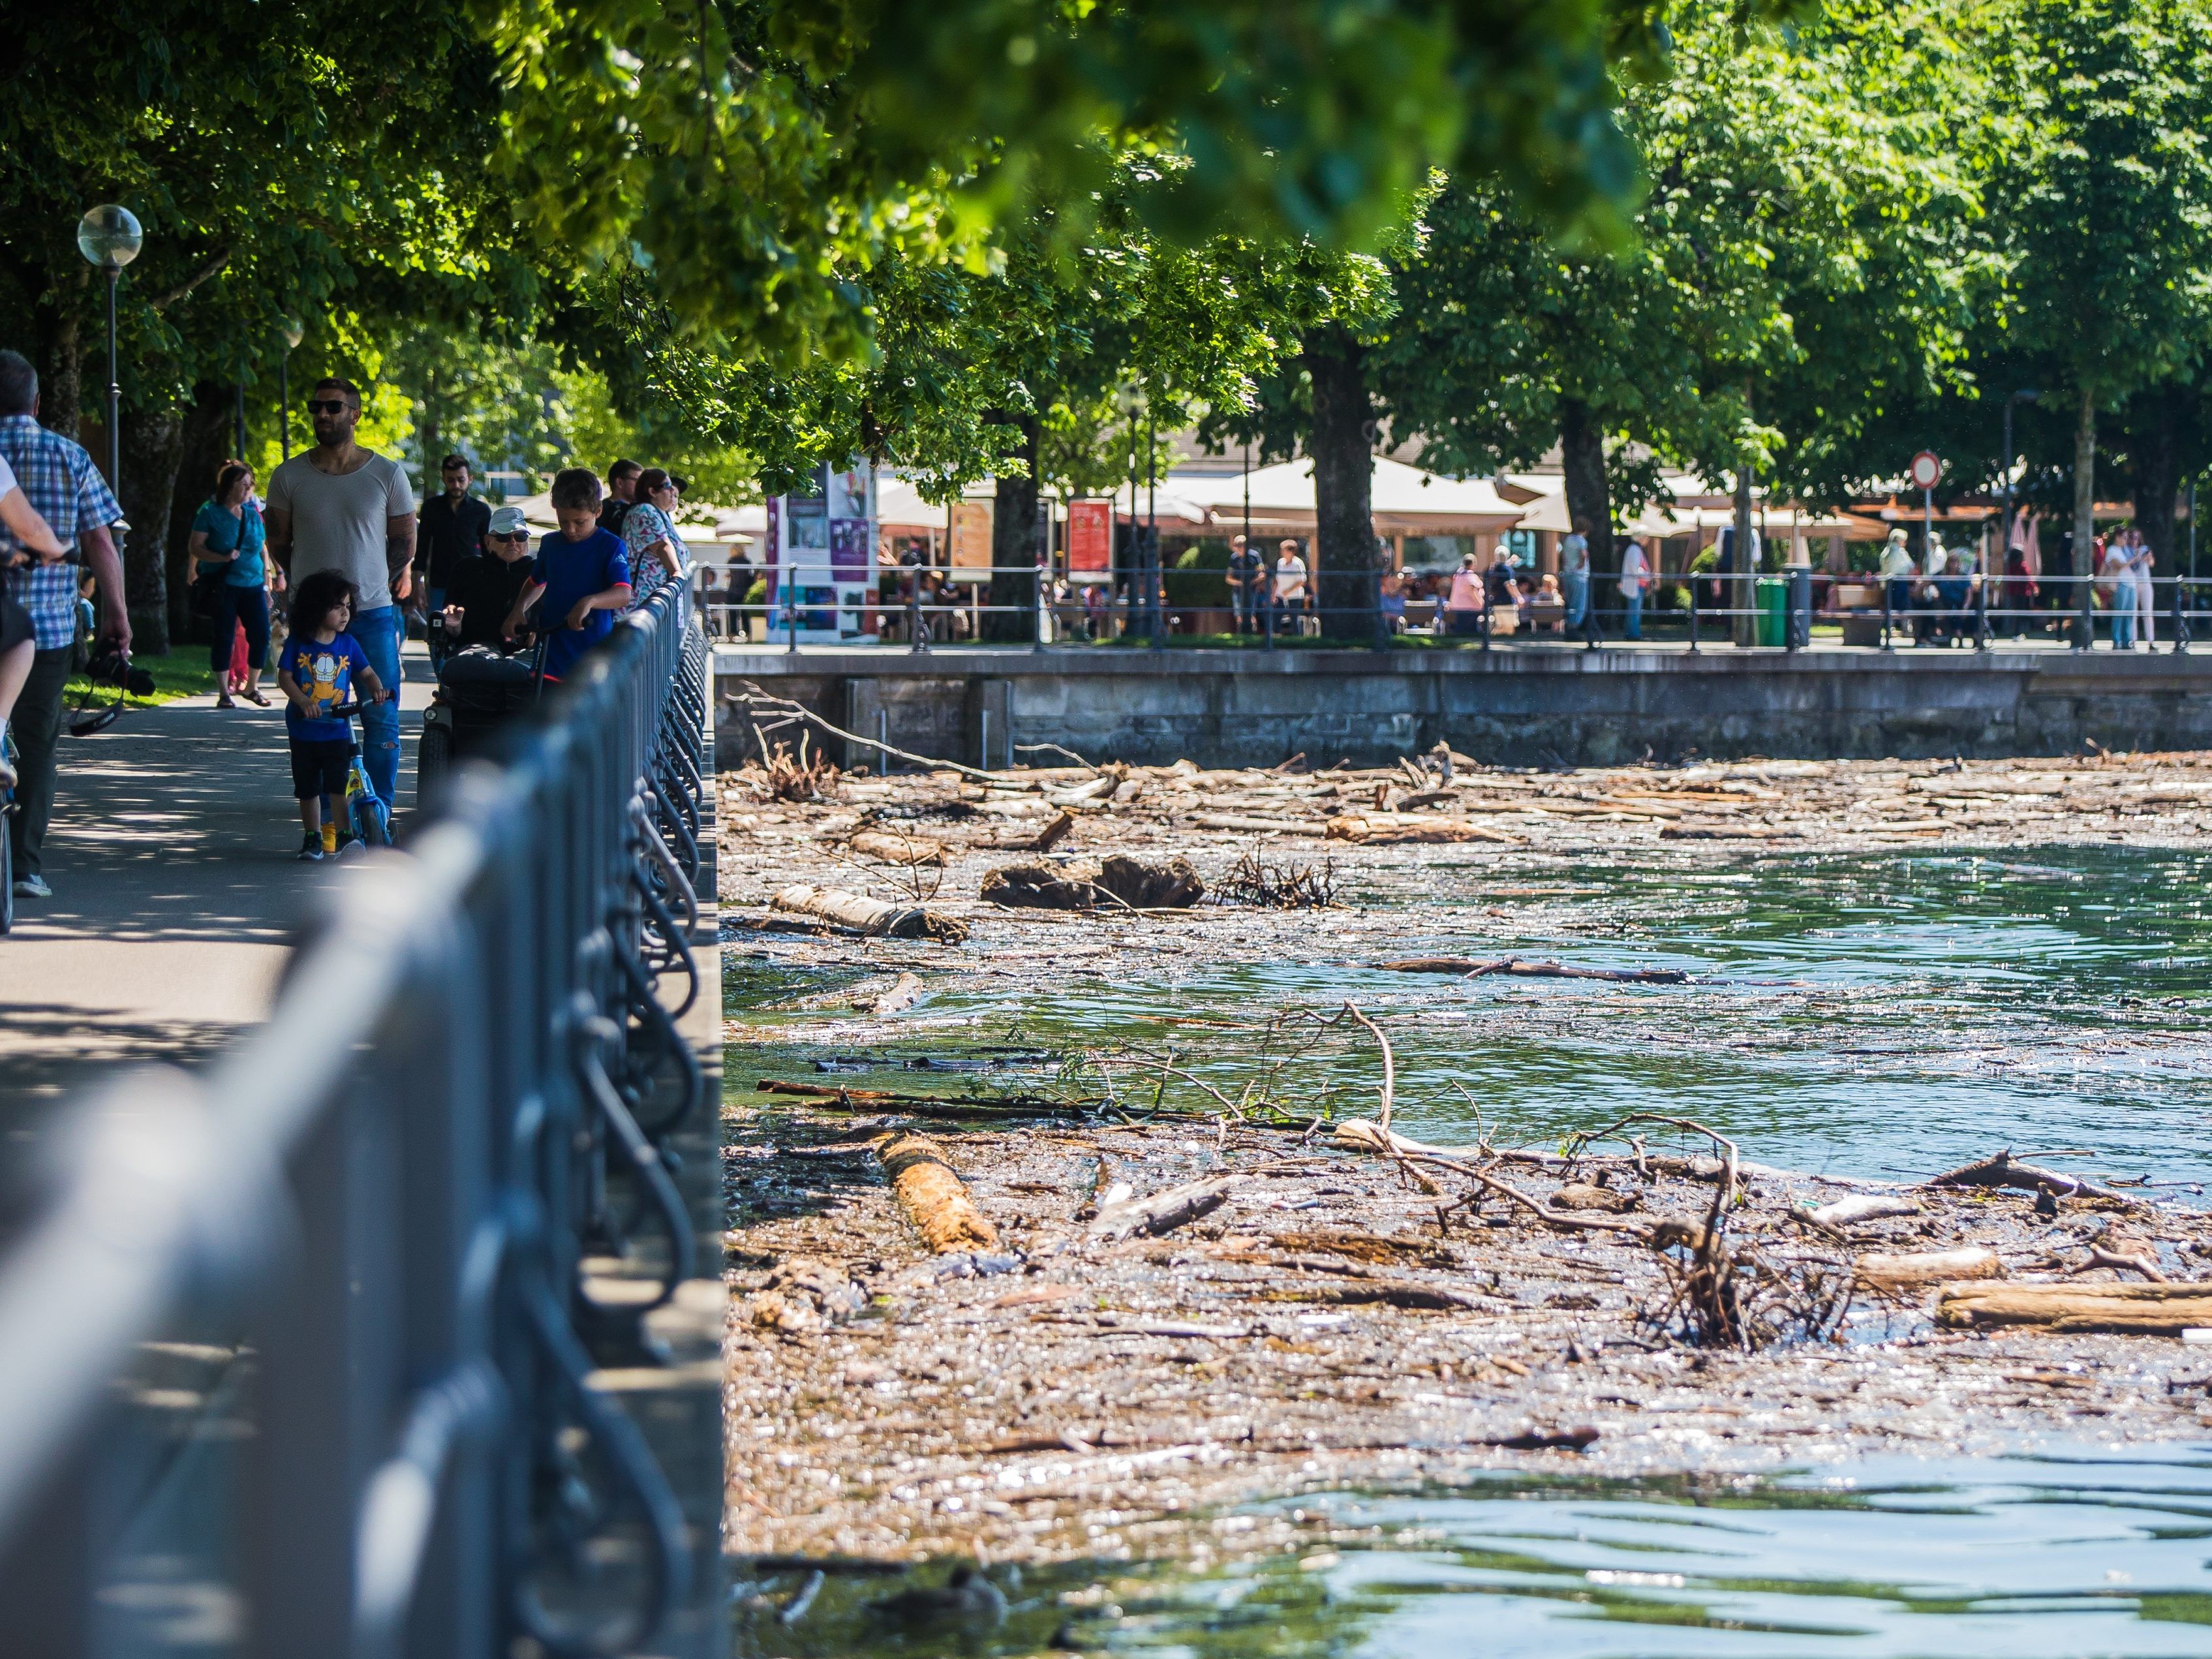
x=317 y=670
x=581 y=576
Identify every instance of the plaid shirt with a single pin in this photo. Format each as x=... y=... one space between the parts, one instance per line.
x=70 y=495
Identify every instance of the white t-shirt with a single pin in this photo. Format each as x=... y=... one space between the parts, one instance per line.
x=1633 y=568
x=339 y=520
x=1574 y=554
x=1289 y=577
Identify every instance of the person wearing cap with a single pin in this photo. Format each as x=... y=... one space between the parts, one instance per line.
x=483 y=591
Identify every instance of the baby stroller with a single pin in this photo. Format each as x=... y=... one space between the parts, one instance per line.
x=480 y=690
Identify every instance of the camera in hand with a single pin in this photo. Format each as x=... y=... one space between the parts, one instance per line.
x=109 y=667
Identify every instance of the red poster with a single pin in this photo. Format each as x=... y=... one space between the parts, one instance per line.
x=1090 y=536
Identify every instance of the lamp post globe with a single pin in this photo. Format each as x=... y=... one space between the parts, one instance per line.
x=109 y=236
x=291 y=330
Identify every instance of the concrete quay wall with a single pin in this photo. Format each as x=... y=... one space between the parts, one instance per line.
x=980 y=706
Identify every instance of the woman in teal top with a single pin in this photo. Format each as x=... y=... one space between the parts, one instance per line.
x=228 y=537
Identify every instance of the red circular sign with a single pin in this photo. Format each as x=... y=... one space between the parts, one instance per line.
x=1926 y=470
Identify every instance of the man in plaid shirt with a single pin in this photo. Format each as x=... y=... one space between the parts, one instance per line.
x=69 y=493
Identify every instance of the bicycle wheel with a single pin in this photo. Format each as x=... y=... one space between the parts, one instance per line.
x=375 y=826
x=434 y=760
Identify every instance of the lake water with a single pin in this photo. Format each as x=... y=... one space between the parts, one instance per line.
x=2056 y=1556
x=1884 y=1017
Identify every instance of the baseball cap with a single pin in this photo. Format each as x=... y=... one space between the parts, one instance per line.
x=508 y=521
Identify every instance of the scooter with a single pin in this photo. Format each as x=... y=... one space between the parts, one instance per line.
x=361 y=812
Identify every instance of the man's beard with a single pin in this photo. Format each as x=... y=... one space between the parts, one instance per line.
x=332 y=438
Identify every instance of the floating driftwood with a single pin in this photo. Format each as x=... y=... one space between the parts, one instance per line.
x=1392 y=829
x=2003 y=1171
x=871 y=918
x=1866 y=1206
x=1474 y=968
x=1879 y=1272
x=886 y=1100
x=2137 y=1310
x=1164 y=1212
x=934 y=1196
x=895 y=847
x=1118 y=883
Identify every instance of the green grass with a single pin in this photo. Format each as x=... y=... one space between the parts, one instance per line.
x=182 y=673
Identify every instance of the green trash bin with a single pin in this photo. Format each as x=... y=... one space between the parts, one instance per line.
x=1773 y=596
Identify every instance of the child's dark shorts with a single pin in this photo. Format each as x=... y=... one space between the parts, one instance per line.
x=320 y=769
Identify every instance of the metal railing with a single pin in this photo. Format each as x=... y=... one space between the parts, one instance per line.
x=363 y=1238
x=1701 y=609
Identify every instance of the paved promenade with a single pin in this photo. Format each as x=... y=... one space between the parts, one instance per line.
x=175 y=895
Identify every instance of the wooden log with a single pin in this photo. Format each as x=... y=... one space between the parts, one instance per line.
x=1053 y=834
x=1867 y=1206
x=886 y=1100
x=1254 y=824
x=895 y=847
x=1396 y=1293
x=1388 y=830
x=1475 y=969
x=2002 y=1171
x=904 y=992
x=1879 y=1272
x=1163 y=1213
x=933 y=1197
x=2137 y=1310
x=871 y=918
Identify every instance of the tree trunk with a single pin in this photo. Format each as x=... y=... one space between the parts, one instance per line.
x=201 y=454
x=2085 y=516
x=1745 y=591
x=1589 y=499
x=1347 y=560
x=61 y=386
x=2155 y=448
x=1014 y=544
x=153 y=444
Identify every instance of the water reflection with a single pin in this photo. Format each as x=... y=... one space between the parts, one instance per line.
x=2055 y=1554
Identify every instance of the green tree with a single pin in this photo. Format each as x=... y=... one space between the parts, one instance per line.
x=2102 y=192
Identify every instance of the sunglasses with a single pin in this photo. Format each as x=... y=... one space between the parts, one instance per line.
x=506 y=536
x=326 y=406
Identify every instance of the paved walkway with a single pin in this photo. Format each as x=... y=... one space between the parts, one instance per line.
x=175 y=895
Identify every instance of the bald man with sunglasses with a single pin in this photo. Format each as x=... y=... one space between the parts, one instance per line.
x=338 y=507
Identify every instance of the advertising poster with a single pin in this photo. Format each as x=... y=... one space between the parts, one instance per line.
x=971 y=536
x=822 y=546
x=1090 y=537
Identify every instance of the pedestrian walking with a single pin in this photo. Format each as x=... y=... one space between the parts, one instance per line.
x=454 y=526
x=1248 y=584
x=657 y=552
x=2116 y=584
x=229 y=541
x=622 y=495
x=18 y=645
x=1574 y=574
x=1635 y=579
x=64 y=492
x=1897 y=570
x=323 y=668
x=1290 y=588
x=338 y=507
x=2141 y=560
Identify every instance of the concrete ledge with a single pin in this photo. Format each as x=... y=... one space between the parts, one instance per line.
x=1516 y=705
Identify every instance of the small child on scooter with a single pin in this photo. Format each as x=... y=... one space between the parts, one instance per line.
x=319 y=671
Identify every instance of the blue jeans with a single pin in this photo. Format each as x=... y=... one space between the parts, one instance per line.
x=1574 y=584
x=1632 y=618
x=378 y=634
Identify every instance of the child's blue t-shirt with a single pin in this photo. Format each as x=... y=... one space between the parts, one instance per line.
x=326 y=673
x=573 y=571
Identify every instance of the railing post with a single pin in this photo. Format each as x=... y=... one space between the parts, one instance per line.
x=2181 y=618
x=1692 y=588
x=1886 y=644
